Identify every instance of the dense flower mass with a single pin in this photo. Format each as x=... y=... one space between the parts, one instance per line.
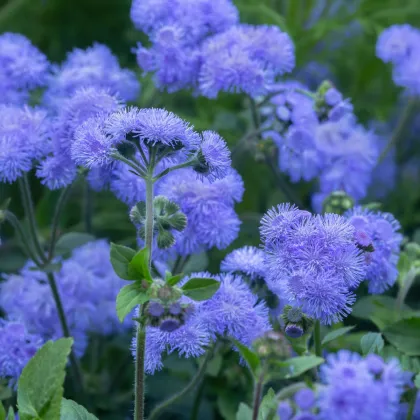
x=22 y=68
x=94 y=67
x=24 y=136
x=233 y=311
x=381 y=231
x=88 y=287
x=400 y=45
x=360 y=389
x=313 y=261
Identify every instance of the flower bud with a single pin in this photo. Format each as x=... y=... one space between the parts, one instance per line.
x=296 y=322
x=293 y=330
x=272 y=346
x=337 y=202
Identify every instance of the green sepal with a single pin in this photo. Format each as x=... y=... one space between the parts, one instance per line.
x=200 y=288
x=121 y=257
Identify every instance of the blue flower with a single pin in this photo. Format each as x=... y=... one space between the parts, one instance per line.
x=382 y=229
x=312 y=261
x=353 y=392
x=22 y=68
x=18 y=346
x=23 y=139
x=248 y=260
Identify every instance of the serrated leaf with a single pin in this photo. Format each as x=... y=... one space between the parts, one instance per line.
x=372 y=343
x=268 y=406
x=70 y=241
x=138 y=268
x=417 y=381
x=249 y=356
x=2 y=412
x=295 y=366
x=244 y=412
x=129 y=297
x=200 y=288
x=70 y=410
x=40 y=386
x=332 y=335
x=173 y=280
x=121 y=257
x=405 y=336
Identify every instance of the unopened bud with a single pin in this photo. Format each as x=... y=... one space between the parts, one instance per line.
x=294 y=330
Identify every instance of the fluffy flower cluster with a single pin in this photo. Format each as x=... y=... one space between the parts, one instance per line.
x=320 y=140
x=24 y=135
x=22 y=68
x=313 y=261
x=209 y=207
x=381 y=231
x=233 y=311
x=88 y=288
x=362 y=389
x=249 y=261
x=400 y=45
x=94 y=67
x=304 y=404
x=200 y=45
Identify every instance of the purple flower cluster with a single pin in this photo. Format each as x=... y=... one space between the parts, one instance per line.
x=201 y=46
x=88 y=288
x=312 y=261
x=360 y=389
x=304 y=405
x=24 y=136
x=248 y=261
x=22 y=68
x=95 y=67
x=320 y=140
x=209 y=207
x=233 y=311
x=381 y=231
x=400 y=46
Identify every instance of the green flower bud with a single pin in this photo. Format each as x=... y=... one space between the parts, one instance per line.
x=337 y=202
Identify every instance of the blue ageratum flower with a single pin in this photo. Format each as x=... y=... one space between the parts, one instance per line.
x=94 y=67
x=312 y=261
x=381 y=231
x=88 y=287
x=233 y=311
x=18 y=346
x=245 y=59
x=249 y=261
x=24 y=134
x=360 y=389
x=22 y=68
x=209 y=207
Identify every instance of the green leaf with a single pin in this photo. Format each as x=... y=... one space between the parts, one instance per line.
x=214 y=366
x=417 y=381
x=405 y=336
x=11 y=414
x=70 y=241
x=2 y=412
x=295 y=366
x=244 y=412
x=138 y=268
x=73 y=411
x=200 y=289
x=268 y=406
x=173 y=280
x=121 y=257
x=249 y=356
x=372 y=343
x=404 y=265
x=40 y=386
x=332 y=335
x=129 y=297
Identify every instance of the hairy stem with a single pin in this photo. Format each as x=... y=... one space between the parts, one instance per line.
x=317 y=339
x=25 y=190
x=190 y=386
x=258 y=388
x=139 y=385
x=399 y=129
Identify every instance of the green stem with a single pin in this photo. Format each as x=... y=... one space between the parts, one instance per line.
x=62 y=199
x=87 y=207
x=30 y=214
x=290 y=390
x=411 y=406
x=317 y=339
x=190 y=386
x=138 y=169
x=66 y=331
x=197 y=400
x=254 y=114
x=258 y=388
x=399 y=129
x=149 y=217
x=139 y=385
x=173 y=168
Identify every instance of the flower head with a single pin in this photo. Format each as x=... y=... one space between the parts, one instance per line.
x=248 y=260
